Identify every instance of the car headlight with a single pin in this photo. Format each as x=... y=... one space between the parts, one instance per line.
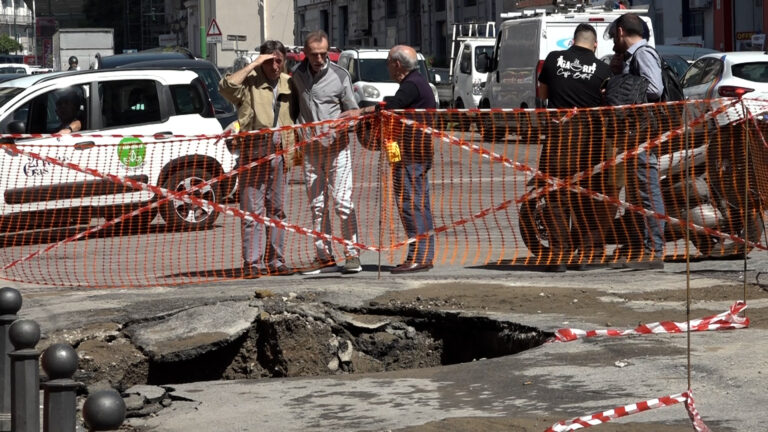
x=477 y=87
x=371 y=92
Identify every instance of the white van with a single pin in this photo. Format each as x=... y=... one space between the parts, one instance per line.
x=523 y=42
x=469 y=44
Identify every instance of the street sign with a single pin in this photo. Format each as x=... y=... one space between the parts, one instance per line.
x=213 y=35
x=239 y=38
x=213 y=29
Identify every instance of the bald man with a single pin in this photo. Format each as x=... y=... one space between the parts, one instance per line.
x=410 y=174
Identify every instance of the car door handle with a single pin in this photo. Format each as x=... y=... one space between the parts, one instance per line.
x=84 y=145
x=163 y=135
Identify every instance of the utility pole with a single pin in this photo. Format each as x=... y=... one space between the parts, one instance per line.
x=203 y=41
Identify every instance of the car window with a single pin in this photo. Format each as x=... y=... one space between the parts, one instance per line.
x=187 y=100
x=129 y=102
x=8 y=93
x=702 y=71
x=487 y=50
x=466 y=60
x=757 y=72
x=210 y=78
x=50 y=112
x=375 y=70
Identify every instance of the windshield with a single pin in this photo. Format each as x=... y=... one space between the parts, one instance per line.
x=7 y=93
x=375 y=70
x=211 y=79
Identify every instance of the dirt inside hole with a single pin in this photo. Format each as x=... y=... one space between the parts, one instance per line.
x=289 y=340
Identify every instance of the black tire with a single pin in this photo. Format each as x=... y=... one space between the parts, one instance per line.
x=463 y=120
x=179 y=215
x=532 y=227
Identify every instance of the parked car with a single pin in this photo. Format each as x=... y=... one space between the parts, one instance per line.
x=440 y=77
x=124 y=102
x=677 y=63
x=688 y=53
x=226 y=113
x=113 y=61
x=15 y=68
x=370 y=77
x=727 y=74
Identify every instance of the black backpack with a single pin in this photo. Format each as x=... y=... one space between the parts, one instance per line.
x=625 y=89
x=673 y=91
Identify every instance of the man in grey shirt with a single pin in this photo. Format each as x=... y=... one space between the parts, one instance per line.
x=325 y=91
x=629 y=34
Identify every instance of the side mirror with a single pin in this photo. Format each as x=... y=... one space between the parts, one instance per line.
x=484 y=63
x=17 y=127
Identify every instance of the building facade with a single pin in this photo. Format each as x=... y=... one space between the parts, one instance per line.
x=17 y=21
x=244 y=25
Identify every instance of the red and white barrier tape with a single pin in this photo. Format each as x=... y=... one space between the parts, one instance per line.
x=728 y=320
x=606 y=416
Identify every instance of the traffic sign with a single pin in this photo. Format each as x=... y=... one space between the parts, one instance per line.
x=213 y=29
x=239 y=38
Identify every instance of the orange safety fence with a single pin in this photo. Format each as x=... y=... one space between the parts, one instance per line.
x=508 y=187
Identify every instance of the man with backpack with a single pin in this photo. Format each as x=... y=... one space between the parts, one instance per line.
x=629 y=34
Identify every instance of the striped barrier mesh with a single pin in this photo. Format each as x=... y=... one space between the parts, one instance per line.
x=508 y=187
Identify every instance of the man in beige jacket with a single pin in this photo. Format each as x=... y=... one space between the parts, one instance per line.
x=264 y=98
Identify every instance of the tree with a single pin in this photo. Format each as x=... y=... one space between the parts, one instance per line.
x=8 y=44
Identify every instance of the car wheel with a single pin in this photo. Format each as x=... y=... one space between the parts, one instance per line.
x=181 y=215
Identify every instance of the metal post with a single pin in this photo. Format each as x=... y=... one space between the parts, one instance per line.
x=25 y=376
x=59 y=362
x=104 y=410
x=10 y=303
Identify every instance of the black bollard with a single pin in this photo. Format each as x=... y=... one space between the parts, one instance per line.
x=104 y=410
x=59 y=362
x=25 y=376
x=10 y=303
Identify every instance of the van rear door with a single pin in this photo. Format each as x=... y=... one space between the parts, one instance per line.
x=513 y=83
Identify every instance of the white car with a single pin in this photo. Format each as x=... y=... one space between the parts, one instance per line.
x=153 y=104
x=370 y=76
x=728 y=74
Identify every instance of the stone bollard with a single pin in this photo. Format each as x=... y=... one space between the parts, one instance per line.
x=10 y=303
x=104 y=410
x=59 y=362
x=25 y=376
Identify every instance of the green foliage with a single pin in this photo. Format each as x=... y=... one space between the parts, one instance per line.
x=8 y=44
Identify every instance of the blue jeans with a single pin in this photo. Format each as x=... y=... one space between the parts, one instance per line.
x=411 y=187
x=649 y=191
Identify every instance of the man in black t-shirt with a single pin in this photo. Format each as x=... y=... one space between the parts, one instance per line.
x=572 y=79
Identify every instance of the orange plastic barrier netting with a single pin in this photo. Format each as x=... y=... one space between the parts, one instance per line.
x=508 y=187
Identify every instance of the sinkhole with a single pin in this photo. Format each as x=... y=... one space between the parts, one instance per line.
x=290 y=339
